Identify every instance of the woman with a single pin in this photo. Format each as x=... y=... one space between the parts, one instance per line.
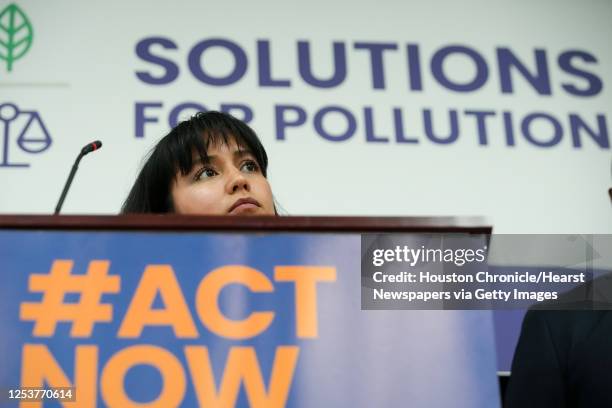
x=211 y=164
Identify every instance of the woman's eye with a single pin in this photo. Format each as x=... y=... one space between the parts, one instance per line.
x=250 y=166
x=205 y=173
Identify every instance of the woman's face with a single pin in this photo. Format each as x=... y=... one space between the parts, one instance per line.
x=231 y=183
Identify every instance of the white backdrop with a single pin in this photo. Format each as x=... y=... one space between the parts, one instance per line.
x=79 y=75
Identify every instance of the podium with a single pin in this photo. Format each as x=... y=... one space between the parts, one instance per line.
x=227 y=311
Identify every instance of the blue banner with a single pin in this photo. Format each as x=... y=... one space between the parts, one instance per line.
x=207 y=319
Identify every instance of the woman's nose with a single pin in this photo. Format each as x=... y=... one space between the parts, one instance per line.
x=237 y=181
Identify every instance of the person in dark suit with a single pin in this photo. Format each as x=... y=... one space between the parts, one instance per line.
x=564 y=357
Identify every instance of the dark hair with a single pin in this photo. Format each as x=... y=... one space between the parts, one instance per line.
x=151 y=192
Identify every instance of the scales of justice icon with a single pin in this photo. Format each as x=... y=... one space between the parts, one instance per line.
x=24 y=126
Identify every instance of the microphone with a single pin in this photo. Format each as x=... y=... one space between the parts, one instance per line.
x=90 y=147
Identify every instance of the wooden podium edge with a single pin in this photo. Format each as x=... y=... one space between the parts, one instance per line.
x=172 y=222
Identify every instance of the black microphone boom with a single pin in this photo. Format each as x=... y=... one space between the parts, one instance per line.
x=90 y=147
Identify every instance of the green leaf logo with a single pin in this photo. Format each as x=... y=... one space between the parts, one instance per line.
x=16 y=35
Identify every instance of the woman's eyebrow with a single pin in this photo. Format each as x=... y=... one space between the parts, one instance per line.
x=202 y=160
x=238 y=153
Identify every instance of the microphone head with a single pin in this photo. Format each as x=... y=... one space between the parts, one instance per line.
x=90 y=147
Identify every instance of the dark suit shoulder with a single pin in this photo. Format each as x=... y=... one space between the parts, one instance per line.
x=561 y=360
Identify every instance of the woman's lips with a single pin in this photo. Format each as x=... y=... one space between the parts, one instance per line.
x=244 y=205
x=244 y=208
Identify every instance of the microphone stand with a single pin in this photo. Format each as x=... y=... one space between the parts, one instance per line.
x=87 y=149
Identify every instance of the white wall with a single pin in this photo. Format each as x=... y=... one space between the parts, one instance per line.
x=80 y=76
